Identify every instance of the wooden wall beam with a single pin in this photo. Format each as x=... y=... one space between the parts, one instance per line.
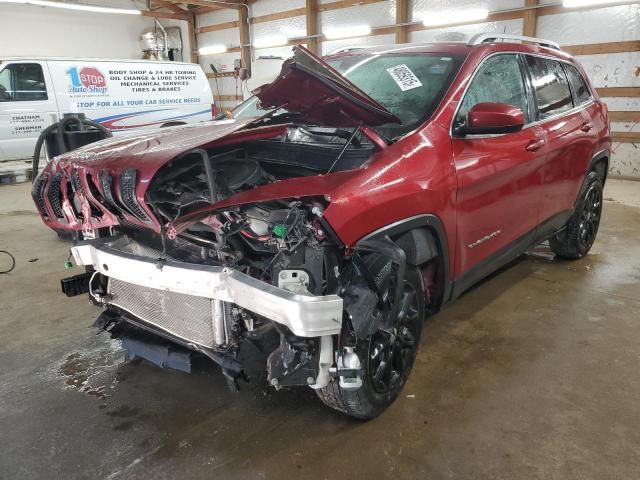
x=227 y=98
x=558 y=9
x=173 y=16
x=618 y=116
x=402 y=16
x=619 y=91
x=168 y=5
x=298 y=12
x=603 y=48
x=313 y=43
x=530 y=18
x=193 y=38
x=626 y=137
x=218 y=26
x=324 y=7
x=245 y=38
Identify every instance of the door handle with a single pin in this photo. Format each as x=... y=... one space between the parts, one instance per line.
x=586 y=127
x=535 y=145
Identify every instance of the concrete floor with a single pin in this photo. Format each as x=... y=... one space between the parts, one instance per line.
x=531 y=375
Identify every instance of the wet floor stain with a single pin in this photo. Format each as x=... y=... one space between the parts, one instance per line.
x=92 y=371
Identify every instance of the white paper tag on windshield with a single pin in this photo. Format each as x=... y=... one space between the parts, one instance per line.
x=404 y=77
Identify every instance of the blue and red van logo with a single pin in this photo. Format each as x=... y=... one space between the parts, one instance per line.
x=87 y=80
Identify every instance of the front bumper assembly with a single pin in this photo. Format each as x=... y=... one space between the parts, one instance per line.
x=149 y=289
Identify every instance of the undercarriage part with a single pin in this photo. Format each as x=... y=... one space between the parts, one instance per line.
x=76 y=285
x=294 y=362
x=349 y=370
x=162 y=354
x=121 y=324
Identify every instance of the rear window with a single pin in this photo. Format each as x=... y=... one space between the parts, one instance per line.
x=20 y=82
x=579 y=85
x=551 y=86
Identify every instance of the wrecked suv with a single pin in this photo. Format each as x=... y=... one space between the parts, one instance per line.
x=373 y=187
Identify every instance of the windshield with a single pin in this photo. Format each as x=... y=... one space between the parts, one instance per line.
x=409 y=85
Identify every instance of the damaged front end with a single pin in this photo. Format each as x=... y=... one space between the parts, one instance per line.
x=202 y=238
x=228 y=244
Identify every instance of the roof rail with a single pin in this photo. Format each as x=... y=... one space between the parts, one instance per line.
x=481 y=38
x=349 y=48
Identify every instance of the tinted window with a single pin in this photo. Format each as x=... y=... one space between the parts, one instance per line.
x=551 y=86
x=498 y=80
x=580 y=89
x=22 y=82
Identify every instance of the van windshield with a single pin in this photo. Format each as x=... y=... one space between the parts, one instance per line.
x=410 y=86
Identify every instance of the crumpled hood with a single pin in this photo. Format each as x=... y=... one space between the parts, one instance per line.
x=74 y=188
x=319 y=94
x=149 y=151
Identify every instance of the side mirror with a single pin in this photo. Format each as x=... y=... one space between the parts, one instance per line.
x=493 y=118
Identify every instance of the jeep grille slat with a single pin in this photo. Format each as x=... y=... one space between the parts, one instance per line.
x=127 y=186
x=38 y=193
x=54 y=195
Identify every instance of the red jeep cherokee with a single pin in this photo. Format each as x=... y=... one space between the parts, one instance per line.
x=373 y=187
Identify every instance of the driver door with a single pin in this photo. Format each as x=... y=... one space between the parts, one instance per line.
x=499 y=176
x=27 y=106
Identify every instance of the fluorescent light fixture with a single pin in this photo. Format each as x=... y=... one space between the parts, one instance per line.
x=347 y=32
x=587 y=3
x=75 y=6
x=453 y=17
x=274 y=41
x=212 y=49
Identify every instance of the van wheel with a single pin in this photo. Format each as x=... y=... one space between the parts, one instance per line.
x=576 y=239
x=386 y=358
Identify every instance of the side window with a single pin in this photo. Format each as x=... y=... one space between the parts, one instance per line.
x=551 y=86
x=580 y=88
x=22 y=82
x=498 y=80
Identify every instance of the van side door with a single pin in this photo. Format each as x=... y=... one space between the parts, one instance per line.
x=27 y=106
x=499 y=176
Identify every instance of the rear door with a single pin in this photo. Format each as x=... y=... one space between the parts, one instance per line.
x=568 y=132
x=27 y=106
x=499 y=176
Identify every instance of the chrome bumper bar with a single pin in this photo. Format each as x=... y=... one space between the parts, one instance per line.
x=304 y=315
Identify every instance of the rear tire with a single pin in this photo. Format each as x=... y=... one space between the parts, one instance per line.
x=580 y=232
x=382 y=382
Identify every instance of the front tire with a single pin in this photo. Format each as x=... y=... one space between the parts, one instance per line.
x=386 y=358
x=578 y=236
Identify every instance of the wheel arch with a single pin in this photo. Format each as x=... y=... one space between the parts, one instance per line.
x=600 y=163
x=417 y=236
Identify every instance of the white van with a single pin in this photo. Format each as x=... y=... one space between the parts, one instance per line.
x=122 y=95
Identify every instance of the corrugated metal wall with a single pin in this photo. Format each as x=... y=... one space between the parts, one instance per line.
x=603 y=25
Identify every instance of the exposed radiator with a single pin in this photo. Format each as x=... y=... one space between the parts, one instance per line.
x=185 y=316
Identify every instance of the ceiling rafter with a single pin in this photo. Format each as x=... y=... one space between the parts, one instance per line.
x=171 y=6
x=210 y=5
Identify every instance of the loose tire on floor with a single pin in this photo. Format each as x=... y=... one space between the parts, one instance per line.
x=370 y=400
x=577 y=238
